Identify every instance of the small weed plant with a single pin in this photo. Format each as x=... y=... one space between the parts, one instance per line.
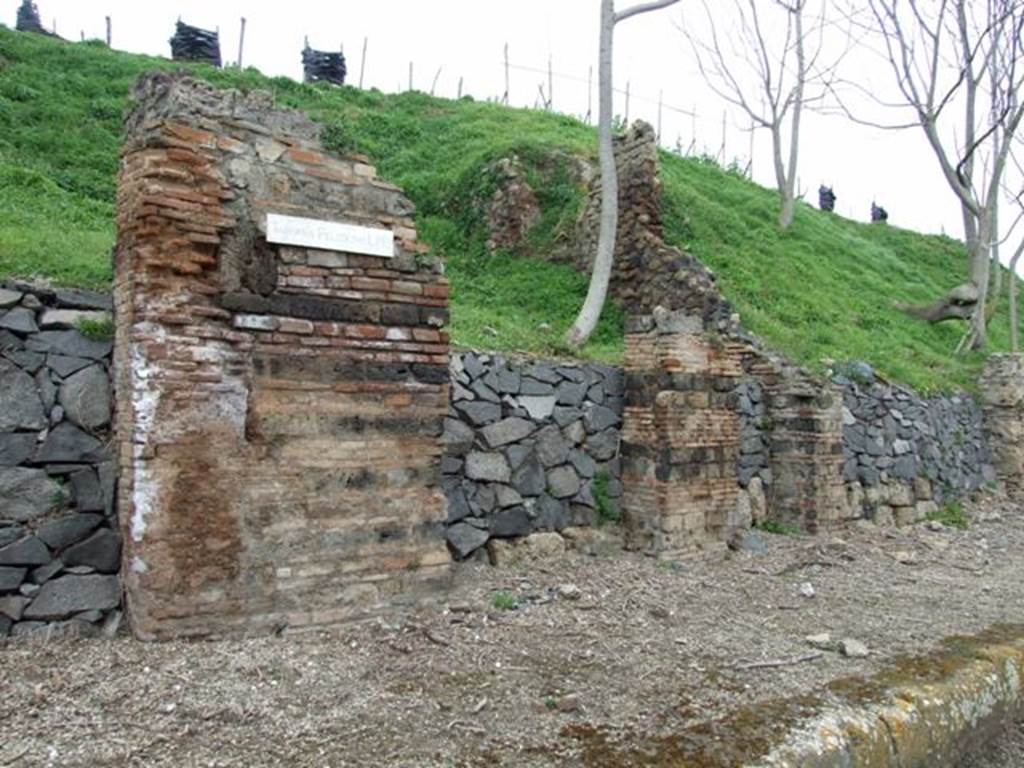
x=952 y=516
x=503 y=601
x=777 y=528
x=607 y=509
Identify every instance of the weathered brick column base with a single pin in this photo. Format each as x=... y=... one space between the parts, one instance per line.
x=806 y=449
x=279 y=407
x=680 y=440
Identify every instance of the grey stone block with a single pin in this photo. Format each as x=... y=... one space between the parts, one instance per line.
x=539 y=407
x=101 y=552
x=571 y=393
x=551 y=514
x=16 y=447
x=67 y=443
x=26 y=551
x=598 y=418
x=85 y=397
x=563 y=482
x=492 y=467
x=458 y=506
x=64 y=531
x=68 y=595
x=510 y=430
x=479 y=413
x=514 y=521
x=464 y=539
x=71 y=343
x=27 y=493
x=20 y=406
x=604 y=445
x=19 y=320
x=87 y=492
x=457 y=437
x=552 y=448
x=64 y=366
x=529 y=478
x=11 y=578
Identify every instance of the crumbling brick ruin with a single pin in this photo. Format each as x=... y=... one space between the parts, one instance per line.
x=280 y=393
x=700 y=458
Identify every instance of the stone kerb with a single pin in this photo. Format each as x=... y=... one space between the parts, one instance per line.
x=280 y=407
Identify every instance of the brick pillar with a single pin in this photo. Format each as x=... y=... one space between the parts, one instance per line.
x=279 y=407
x=1002 y=395
x=806 y=450
x=680 y=437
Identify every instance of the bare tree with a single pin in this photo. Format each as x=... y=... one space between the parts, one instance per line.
x=769 y=74
x=958 y=67
x=601 y=272
x=1014 y=313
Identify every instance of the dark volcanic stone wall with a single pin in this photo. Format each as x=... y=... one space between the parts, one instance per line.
x=60 y=550
x=530 y=445
x=910 y=454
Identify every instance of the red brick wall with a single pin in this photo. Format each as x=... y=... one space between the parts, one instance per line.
x=279 y=408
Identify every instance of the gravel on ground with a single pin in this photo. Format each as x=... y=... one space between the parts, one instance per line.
x=578 y=661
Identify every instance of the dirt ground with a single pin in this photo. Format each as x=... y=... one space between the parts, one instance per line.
x=602 y=661
x=1007 y=752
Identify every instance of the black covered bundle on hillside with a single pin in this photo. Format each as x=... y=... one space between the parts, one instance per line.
x=323 y=66
x=878 y=213
x=195 y=44
x=28 y=19
x=826 y=198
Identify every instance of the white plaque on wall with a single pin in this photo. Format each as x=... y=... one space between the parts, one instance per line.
x=329 y=235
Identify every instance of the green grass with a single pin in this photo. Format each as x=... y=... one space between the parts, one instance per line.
x=504 y=601
x=821 y=291
x=777 y=528
x=952 y=516
x=97 y=330
x=607 y=510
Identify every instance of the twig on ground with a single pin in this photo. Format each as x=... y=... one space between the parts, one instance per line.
x=465 y=726
x=805 y=564
x=780 y=662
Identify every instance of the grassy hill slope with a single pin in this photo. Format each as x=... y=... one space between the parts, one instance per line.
x=821 y=291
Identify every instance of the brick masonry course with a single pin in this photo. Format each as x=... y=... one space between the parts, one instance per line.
x=280 y=407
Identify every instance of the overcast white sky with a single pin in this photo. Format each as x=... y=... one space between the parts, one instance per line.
x=464 y=38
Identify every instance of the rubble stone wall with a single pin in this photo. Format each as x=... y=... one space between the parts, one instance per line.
x=904 y=455
x=279 y=408
x=60 y=549
x=530 y=446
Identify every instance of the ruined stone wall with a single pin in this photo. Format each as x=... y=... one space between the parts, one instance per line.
x=279 y=408
x=1002 y=395
x=59 y=545
x=647 y=272
x=905 y=455
x=530 y=445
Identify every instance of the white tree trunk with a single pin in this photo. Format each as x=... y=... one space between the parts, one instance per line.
x=788 y=189
x=589 y=314
x=980 y=267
